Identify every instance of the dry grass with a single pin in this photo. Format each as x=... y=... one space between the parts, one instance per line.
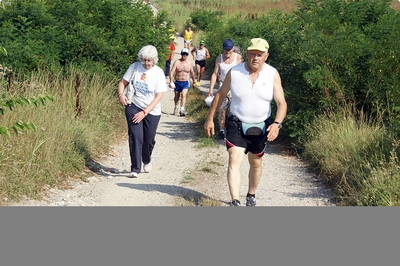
x=180 y=10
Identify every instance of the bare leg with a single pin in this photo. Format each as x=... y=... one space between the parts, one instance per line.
x=176 y=98
x=183 y=98
x=255 y=172
x=236 y=155
x=198 y=70
x=201 y=73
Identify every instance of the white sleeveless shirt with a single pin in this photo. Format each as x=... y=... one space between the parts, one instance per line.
x=200 y=54
x=224 y=68
x=251 y=103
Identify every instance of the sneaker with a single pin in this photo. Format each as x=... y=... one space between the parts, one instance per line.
x=133 y=175
x=147 y=167
x=235 y=202
x=250 y=201
x=221 y=135
x=176 y=110
x=182 y=113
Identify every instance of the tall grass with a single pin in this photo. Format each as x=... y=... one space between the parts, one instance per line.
x=180 y=10
x=357 y=157
x=71 y=130
x=198 y=111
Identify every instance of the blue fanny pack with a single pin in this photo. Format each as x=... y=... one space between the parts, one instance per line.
x=254 y=129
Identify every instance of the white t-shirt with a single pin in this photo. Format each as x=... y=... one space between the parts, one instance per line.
x=251 y=103
x=147 y=83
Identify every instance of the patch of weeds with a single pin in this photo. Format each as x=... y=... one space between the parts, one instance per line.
x=208 y=170
x=187 y=179
x=192 y=201
x=207 y=142
x=216 y=163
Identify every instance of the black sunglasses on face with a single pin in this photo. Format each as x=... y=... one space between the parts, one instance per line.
x=184 y=54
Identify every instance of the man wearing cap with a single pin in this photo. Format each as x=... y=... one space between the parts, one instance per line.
x=182 y=69
x=223 y=63
x=200 y=54
x=249 y=124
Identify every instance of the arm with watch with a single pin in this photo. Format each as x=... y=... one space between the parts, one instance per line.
x=279 y=98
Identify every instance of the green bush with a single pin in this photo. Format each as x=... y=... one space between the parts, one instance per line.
x=109 y=32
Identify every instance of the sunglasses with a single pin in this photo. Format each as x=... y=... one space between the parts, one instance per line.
x=184 y=54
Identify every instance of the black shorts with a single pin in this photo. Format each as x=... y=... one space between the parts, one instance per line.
x=236 y=138
x=201 y=63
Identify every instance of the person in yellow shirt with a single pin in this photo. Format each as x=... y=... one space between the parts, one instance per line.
x=188 y=37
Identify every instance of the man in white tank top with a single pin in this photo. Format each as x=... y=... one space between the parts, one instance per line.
x=249 y=125
x=223 y=63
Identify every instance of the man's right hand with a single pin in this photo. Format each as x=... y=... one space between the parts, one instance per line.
x=172 y=85
x=209 y=128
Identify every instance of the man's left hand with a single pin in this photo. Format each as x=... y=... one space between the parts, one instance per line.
x=273 y=132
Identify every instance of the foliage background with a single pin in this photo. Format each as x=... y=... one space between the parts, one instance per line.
x=338 y=61
x=109 y=33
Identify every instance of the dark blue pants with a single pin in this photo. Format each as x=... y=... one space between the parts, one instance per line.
x=167 y=68
x=141 y=137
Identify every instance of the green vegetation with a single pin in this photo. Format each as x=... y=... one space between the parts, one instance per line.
x=357 y=157
x=336 y=59
x=80 y=125
x=73 y=52
x=338 y=62
x=108 y=33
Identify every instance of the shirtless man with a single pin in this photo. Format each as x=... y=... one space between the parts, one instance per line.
x=182 y=69
x=223 y=63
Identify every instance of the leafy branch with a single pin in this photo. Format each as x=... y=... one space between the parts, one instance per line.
x=11 y=103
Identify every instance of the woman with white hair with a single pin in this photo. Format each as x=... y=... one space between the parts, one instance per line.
x=142 y=106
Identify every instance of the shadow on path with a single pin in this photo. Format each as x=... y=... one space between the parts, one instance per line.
x=188 y=194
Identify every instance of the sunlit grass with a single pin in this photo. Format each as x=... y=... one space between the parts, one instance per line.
x=180 y=10
x=66 y=138
x=356 y=157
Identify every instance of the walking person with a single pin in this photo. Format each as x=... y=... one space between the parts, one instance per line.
x=200 y=54
x=169 y=58
x=181 y=71
x=249 y=125
x=142 y=106
x=188 y=35
x=223 y=63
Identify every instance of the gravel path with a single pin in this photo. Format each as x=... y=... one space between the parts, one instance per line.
x=185 y=175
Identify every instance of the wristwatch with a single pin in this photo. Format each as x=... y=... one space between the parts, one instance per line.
x=279 y=124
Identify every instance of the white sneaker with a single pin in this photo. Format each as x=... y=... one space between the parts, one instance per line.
x=147 y=167
x=133 y=175
x=176 y=111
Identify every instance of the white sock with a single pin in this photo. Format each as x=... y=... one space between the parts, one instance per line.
x=182 y=108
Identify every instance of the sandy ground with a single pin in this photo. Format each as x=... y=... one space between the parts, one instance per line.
x=185 y=175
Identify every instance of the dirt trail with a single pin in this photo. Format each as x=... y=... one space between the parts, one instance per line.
x=182 y=171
